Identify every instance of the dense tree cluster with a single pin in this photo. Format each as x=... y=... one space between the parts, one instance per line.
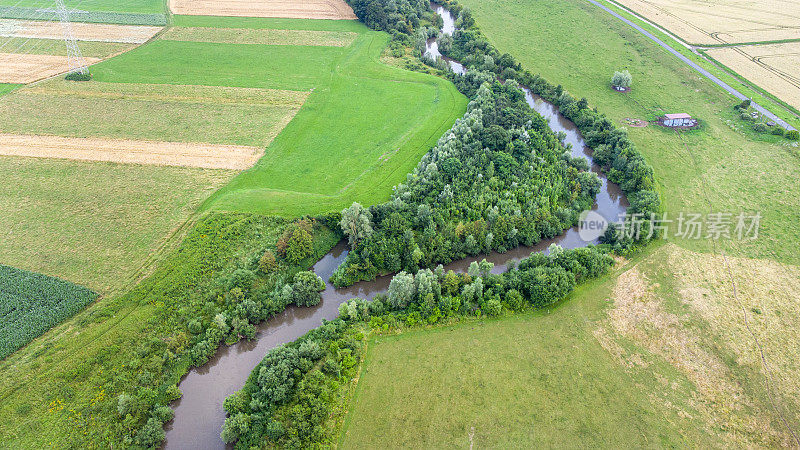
x=290 y=394
x=394 y=16
x=499 y=178
x=614 y=151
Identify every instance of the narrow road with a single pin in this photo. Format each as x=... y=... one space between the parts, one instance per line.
x=696 y=67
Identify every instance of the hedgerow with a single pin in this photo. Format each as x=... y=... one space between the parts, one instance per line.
x=32 y=303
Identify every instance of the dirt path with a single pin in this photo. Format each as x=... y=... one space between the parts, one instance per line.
x=208 y=156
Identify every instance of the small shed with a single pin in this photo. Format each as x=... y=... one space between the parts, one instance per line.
x=678 y=120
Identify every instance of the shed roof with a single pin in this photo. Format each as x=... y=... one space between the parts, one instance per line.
x=678 y=116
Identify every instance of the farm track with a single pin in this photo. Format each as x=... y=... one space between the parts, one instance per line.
x=695 y=66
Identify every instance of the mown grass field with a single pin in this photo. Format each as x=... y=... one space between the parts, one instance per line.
x=94 y=224
x=31 y=303
x=154 y=112
x=654 y=354
x=56 y=47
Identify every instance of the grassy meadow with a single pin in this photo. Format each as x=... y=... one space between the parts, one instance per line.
x=656 y=354
x=57 y=222
x=605 y=368
x=7 y=87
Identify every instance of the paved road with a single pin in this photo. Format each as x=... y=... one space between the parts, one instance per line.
x=691 y=63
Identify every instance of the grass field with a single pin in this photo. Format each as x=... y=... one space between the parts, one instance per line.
x=94 y=224
x=653 y=355
x=722 y=21
x=605 y=368
x=31 y=303
x=773 y=67
x=215 y=115
x=56 y=47
x=7 y=87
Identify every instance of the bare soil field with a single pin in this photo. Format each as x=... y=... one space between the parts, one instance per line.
x=723 y=21
x=773 y=67
x=265 y=36
x=128 y=34
x=291 y=9
x=25 y=68
x=235 y=157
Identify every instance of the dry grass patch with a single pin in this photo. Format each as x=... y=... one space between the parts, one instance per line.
x=265 y=36
x=26 y=68
x=129 y=34
x=774 y=67
x=723 y=21
x=642 y=332
x=766 y=299
x=131 y=152
x=291 y=9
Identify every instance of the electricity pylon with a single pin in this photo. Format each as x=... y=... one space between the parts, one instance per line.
x=74 y=57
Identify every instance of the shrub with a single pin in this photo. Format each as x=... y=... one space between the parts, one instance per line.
x=760 y=127
x=78 y=76
x=778 y=131
x=622 y=79
x=268 y=263
x=792 y=135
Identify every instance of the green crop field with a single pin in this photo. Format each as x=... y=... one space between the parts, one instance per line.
x=32 y=303
x=654 y=354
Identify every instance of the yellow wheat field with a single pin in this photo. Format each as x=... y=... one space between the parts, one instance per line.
x=773 y=67
x=723 y=21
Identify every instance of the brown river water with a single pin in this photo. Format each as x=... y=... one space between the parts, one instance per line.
x=199 y=414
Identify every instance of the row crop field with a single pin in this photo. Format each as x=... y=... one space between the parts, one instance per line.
x=32 y=303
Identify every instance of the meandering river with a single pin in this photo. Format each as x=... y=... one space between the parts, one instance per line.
x=199 y=414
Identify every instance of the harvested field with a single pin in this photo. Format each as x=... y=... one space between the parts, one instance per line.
x=131 y=152
x=24 y=68
x=204 y=114
x=129 y=34
x=290 y=9
x=773 y=67
x=261 y=36
x=723 y=21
